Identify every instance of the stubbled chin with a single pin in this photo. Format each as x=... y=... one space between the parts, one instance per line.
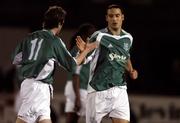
x=115 y=28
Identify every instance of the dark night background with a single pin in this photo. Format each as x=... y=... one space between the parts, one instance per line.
x=154 y=24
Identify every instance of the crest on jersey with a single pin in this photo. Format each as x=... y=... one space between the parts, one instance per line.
x=126 y=46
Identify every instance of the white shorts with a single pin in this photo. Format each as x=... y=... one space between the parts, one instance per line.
x=70 y=99
x=113 y=102
x=34 y=101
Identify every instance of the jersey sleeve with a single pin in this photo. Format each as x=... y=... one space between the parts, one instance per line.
x=130 y=44
x=74 y=51
x=94 y=36
x=63 y=56
x=17 y=55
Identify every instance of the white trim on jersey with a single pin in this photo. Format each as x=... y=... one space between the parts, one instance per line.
x=94 y=34
x=47 y=69
x=130 y=36
x=17 y=59
x=100 y=35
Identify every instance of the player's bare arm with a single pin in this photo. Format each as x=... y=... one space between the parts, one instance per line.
x=132 y=72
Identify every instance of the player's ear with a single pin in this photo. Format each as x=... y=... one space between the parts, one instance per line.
x=61 y=23
x=122 y=17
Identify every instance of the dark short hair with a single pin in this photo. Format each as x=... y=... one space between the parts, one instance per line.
x=114 y=6
x=53 y=16
x=85 y=29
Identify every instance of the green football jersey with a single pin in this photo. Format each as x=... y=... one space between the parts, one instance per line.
x=37 y=54
x=108 y=62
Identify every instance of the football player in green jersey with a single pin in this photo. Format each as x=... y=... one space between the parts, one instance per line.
x=77 y=81
x=35 y=57
x=107 y=93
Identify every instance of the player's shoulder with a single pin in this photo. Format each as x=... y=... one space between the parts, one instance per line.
x=48 y=36
x=125 y=33
x=96 y=33
x=41 y=34
x=38 y=32
x=59 y=42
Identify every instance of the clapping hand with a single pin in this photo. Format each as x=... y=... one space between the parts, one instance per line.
x=85 y=46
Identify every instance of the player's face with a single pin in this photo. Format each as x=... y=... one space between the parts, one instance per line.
x=114 y=18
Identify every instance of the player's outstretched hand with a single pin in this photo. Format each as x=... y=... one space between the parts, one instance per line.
x=80 y=43
x=85 y=46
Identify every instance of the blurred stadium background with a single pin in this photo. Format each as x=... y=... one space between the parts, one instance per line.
x=154 y=24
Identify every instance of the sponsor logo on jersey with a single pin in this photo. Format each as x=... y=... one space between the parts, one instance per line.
x=117 y=57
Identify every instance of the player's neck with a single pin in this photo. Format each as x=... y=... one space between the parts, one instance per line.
x=115 y=31
x=54 y=31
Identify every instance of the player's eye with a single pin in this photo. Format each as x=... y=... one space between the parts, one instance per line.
x=118 y=15
x=110 y=16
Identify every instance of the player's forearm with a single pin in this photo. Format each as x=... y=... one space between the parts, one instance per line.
x=80 y=58
x=129 y=67
x=131 y=71
x=76 y=85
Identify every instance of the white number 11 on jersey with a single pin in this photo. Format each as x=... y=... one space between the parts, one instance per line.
x=34 y=51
